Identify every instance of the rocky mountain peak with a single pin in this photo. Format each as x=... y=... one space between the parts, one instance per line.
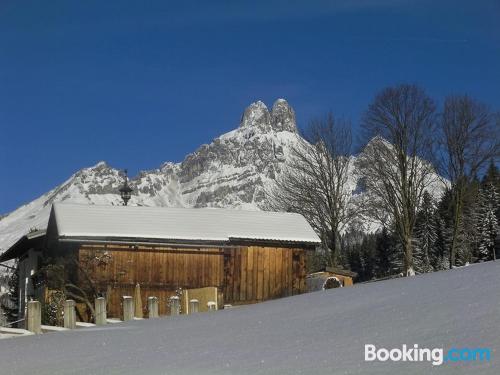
x=234 y=171
x=101 y=164
x=256 y=115
x=283 y=117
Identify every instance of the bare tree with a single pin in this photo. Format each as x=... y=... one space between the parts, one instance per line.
x=469 y=139
x=70 y=278
x=399 y=129
x=315 y=182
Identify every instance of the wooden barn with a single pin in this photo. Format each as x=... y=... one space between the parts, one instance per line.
x=249 y=256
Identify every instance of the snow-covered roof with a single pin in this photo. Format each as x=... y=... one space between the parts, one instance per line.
x=23 y=244
x=185 y=224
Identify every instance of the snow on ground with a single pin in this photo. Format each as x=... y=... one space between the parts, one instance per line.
x=317 y=333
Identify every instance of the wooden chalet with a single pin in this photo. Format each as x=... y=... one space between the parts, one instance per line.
x=250 y=256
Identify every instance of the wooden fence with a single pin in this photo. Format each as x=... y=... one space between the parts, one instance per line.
x=131 y=310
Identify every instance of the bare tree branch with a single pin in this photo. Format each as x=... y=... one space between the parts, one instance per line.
x=399 y=128
x=315 y=183
x=469 y=139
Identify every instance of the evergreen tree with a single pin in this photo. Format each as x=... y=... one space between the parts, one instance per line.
x=487 y=223
x=359 y=254
x=372 y=255
x=387 y=260
x=465 y=240
x=492 y=176
x=466 y=234
x=440 y=256
x=425 y=235
x=367 y=255
x=350 y=250
x=444 y=214
x=354 y=260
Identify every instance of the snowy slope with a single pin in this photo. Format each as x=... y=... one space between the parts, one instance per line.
x=316 y=333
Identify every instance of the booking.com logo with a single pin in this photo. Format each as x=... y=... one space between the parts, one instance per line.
x=436 y=356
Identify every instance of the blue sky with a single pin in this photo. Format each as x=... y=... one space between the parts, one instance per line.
x=140 y=83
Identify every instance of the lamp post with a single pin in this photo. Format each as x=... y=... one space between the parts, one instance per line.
x=125 y=190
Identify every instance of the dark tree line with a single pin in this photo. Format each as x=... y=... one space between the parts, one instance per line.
x=428 y=176
x=376 y=255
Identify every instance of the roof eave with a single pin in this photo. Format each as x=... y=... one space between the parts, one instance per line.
x=176 y=241
x=22 y=245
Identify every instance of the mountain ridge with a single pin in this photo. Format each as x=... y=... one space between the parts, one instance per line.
x=231 y=171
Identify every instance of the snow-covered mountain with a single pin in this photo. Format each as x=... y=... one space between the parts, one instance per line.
x=232 y=171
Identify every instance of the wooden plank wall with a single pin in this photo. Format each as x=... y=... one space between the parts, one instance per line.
x=115 y=270
x=256 y=273
x=245 y=274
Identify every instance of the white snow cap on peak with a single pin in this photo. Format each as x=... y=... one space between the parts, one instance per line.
x=101 y=164
x=378 y=140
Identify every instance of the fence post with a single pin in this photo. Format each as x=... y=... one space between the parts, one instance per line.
x=34 y=319
x=128 y=308
x=69 y=314
x=138 y=302
x=100 y=311
x=194 y=306
x=152 y=307
x=175 y=305
x=212 y=306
